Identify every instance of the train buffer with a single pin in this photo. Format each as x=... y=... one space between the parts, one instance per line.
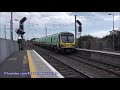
x=27 y=64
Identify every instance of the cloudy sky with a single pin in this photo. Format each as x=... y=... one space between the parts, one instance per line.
x=95 y=23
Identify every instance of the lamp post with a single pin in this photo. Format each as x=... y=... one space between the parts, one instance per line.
x=11 y=26
x=75 y=33
x=16 y=20
x=113 y=29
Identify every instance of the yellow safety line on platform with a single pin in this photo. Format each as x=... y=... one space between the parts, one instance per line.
x=25 y=59
x=31 y=66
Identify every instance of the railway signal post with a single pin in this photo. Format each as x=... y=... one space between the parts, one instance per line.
x=75 y=32
x=21 y=32
x=79 y=30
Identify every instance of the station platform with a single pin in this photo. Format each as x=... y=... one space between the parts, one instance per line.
x=15 y=66
x=98 y=51
x=27 y=63
x=112 y=58
x=40 y=68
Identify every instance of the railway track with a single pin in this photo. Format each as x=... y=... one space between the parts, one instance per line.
x=64 y=69
x=107 y=68
x=104 y=65
x=86 y=68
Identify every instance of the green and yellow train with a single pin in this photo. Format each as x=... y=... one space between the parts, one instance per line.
x=60 y=42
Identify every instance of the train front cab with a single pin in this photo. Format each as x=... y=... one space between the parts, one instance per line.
x=67 y=42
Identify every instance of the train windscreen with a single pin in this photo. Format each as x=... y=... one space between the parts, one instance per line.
x=67 y=38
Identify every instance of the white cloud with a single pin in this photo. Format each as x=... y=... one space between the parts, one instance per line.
x=105 y=16
x=100 y=33
x=38 y=20
x=110 y=18
x=54 y=18
x=42 y=18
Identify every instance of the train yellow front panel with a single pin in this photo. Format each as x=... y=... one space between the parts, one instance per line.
x=68 y=45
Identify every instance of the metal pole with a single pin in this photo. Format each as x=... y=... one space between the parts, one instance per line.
x=0 y=31
x=11 y=26
x=75 y=31
x=113 y=33
x=0 y=25
x=119 y=20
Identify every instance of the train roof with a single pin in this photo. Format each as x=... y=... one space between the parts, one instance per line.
x=57 y=34
x=60 y=33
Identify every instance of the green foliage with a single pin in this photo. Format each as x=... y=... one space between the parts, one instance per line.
x=87 y=37
x=109 y=37
x=116 y=40
x=32 y=39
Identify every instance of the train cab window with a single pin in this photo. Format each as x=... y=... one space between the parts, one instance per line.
x=70 y=39
x=67 y=38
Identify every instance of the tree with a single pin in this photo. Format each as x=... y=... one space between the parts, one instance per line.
x=109 y=38
x=85 y=38
x=32 y=39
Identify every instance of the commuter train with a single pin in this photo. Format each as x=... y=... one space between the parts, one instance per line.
x=60 y=42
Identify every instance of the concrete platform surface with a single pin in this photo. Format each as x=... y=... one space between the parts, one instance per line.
x=40 y=68
x=15 y=66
